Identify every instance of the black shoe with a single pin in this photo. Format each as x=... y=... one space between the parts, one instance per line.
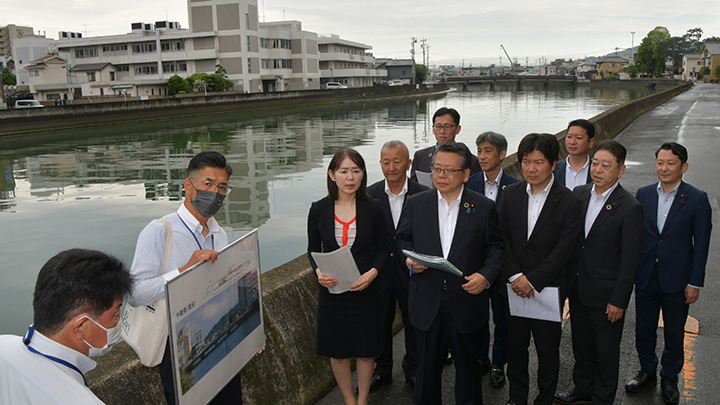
x=572 y=398
x=485 y=367
x=449 y=359
x=497 y=376
x=640 y=382
x=669 y=388
x=410 y=380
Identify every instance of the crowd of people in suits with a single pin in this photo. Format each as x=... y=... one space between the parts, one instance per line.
x=568 y=225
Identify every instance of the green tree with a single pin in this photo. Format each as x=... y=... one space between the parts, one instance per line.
x=219 y=69
x=653 y=52
x=712 y=39
x=8 y=77
x=421 y=73
x=717 y=71
x=216 y=82
x=176 y=84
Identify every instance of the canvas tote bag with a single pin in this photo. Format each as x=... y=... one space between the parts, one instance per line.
x=145 y=328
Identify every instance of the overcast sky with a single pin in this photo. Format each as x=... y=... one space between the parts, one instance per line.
x=470 y=30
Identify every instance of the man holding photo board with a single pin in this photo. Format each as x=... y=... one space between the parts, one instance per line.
x=447 y=310
x=196 y=237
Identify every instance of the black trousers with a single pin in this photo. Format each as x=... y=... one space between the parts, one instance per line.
x=546 y=335
x=596 y=348
x=384 y=363
x=432 y=346
x=230 y=395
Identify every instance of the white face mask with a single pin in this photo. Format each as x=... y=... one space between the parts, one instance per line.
x=113 y=336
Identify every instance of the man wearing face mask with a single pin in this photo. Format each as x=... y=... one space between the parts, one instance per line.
x=76 y=308
x=196 y=237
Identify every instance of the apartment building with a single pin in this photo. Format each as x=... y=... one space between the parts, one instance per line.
x=8 y=34
x=347 y=62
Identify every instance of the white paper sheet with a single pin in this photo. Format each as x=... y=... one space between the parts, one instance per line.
x=339 y=264
x=544 y=305
x=424 y=178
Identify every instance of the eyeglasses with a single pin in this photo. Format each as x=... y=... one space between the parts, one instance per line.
x=445 y=171
x=440 y=127
x=221 y=188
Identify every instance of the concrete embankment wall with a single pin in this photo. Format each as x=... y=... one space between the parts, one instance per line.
x=113 y=111
x=289 y=371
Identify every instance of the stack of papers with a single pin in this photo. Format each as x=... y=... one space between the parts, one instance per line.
x=433 y=262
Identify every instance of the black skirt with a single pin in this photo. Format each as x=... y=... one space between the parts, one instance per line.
x=350 y=324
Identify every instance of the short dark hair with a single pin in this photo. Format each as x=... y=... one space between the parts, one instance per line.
x=615 y=148
x=458 y=148
x=213 y=159
x=497 y=140
x=444 y=110
x=677 y=150
x=545 y=143
x=337 y=159
x=588 y=126
x=76 y=281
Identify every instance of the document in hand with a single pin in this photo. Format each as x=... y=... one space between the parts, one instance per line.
x=544 y=305
x=433 y=262
x=425 y=179
x=339 y=264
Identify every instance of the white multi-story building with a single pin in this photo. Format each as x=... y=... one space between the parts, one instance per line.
x=257 y=57
x=347 y=62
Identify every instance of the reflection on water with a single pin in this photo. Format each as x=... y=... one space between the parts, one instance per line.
x=98 y=187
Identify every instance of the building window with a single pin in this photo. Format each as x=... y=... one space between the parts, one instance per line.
x=91 y=76
x=247 y=21
x=172 y=46
x=276 y=63
x=144 y=48
x=275 y=43
x=123 y=68
x=145 y=70
x=86 y=53
x=248 y=43
x=249 y=66
x=112 y=76
x=114 y=48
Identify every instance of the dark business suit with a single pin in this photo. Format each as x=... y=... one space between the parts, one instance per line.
x=422 y=161
x=672 y=259
x=395 y=288
x=603 y=272
x=559 y=172
x=543 y=259
x=497 y=301
x=350 y=324
x=441 y=311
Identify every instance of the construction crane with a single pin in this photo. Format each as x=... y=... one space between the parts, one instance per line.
x=512 y=65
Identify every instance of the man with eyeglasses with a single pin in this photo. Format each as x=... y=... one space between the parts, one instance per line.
x=196 y=237
x=447 y=310
x=446 y=126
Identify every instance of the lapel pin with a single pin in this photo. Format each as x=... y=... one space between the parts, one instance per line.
x=608 y=207
x=682 y=198
x=469 y=208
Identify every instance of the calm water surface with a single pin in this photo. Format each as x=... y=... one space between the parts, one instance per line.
x=98 y=187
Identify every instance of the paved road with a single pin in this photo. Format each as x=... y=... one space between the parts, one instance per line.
x=692 y=119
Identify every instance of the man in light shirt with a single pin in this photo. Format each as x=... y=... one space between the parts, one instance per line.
x=196 y=237
x=678 y=222
x=76 y=308
x=541 y=223
x=601 y=277
x=448 y=310
x=575 y=170
x=491 y=182
x=391 y=193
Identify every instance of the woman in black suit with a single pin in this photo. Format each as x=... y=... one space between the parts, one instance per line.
x=350 y=323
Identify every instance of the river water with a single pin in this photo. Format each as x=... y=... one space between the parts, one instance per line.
x=98 y=187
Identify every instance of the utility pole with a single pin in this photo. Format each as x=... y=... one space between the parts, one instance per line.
x=413 y=41
x=423 y=45
x=632 y=48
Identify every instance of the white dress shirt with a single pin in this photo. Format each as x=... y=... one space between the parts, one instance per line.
x=576 y=178
x=31 y=378
x=447 y=219
x=595 y=205
x=396 y=201
x=148 y=259
x=491 y=189
x=536 y=203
